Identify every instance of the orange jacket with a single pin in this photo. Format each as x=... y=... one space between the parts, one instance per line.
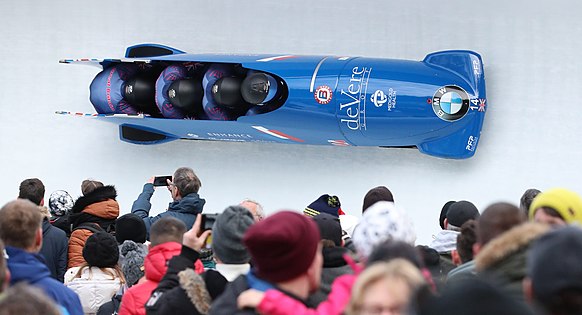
x=103 y=208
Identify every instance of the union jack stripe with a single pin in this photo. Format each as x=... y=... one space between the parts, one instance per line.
x=277 y=134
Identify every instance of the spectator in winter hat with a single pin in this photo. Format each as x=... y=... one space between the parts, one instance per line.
x=88 y=185
x=130 y=233
x=334 y=264
x=130 y=227
x=380 y=222
x=255 y=208
x=231 y=255
x=21 y=231
x=324 y=204
x=286 y=254
x=100 y=277
x=60 y=206
x=446 y=240
x=527 y=198
x=55 y=242
x=60 y=203
x=554 y=274
x=557 y=206
x=380 y=193
x=96 y=210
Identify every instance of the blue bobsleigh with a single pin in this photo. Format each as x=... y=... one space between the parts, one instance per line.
x=158 y=94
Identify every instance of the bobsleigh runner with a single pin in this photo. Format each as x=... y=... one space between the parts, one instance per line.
x=157 y=94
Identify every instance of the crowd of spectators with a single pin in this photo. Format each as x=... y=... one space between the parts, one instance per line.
x=79 y=256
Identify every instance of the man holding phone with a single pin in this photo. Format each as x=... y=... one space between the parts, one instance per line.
x=183 y=187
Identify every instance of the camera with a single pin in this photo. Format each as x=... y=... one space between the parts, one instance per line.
x=208 y=220
x=162 y=180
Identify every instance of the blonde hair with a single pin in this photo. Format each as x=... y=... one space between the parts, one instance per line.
x=113 y=272
x=396 y=269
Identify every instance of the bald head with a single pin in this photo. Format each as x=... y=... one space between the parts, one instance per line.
x=496 y=219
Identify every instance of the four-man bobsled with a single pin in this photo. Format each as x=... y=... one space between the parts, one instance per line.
x=157 y=94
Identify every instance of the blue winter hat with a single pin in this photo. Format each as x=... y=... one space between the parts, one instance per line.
x=324 y=204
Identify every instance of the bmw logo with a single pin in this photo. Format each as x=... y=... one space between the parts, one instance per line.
x=450 y=103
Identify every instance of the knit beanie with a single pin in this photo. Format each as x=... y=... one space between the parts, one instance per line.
x=130 y=227
x=324 y=204
x=382 y=221
x=132 y=264
x=380 y=193
x=283 y=246
x=228 y=232
x=461 y=212
x=566 y=202
x=60 y=203
x=101 y=250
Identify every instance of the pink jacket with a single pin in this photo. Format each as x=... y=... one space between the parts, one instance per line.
x=277 y=303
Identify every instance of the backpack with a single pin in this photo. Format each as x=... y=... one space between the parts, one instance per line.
x=95 y=227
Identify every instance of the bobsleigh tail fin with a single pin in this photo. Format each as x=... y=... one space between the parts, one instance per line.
x=460 y=145
x=150 y=50
x=142 y=135
x=467 y=64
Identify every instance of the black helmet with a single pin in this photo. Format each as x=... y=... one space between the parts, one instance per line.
x=226 y=92
x=185 y=94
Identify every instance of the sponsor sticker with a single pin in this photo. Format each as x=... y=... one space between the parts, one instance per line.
x=352 y=107
x=472 y=143
x=323 y=94
x=379 y=98
x=450 y=103
x=476 y=67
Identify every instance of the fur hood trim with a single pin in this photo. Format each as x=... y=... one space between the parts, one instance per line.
x=508 y=243
x=195 y=289
x=97 y=195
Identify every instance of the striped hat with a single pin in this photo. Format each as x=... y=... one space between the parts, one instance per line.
x=324 y=204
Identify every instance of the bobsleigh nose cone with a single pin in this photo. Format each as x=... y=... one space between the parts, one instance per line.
x=258 y=88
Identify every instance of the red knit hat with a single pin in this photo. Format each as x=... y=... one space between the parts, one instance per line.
x=282 y=246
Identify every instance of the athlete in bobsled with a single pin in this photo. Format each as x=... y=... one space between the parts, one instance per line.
x=184 y=91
